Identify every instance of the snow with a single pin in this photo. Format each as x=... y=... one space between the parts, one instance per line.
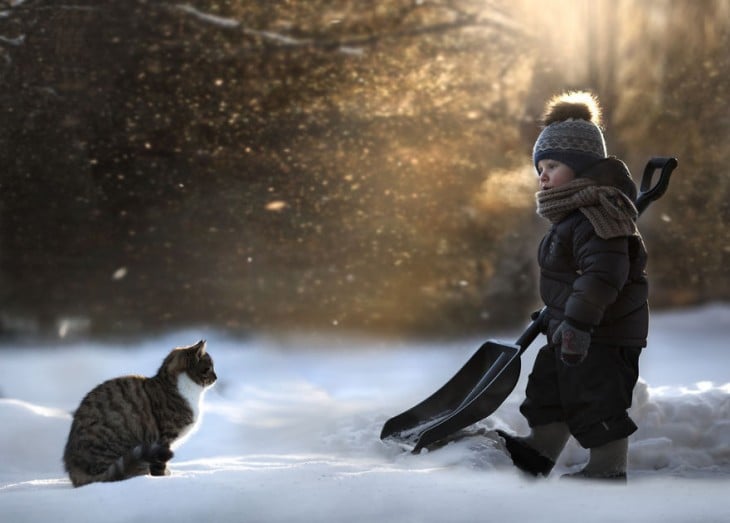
x=290 y=433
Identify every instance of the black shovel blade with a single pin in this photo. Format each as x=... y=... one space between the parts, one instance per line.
x=473 y=393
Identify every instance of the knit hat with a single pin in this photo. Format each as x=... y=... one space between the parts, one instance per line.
x=572 y=134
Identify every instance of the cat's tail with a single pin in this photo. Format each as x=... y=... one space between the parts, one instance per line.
x=146 y=458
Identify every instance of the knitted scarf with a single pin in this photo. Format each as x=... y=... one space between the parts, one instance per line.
x=609 y=210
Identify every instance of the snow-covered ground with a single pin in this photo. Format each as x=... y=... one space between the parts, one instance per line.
x=290 y=433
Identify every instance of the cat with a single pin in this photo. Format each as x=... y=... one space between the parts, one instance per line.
x=128 y=426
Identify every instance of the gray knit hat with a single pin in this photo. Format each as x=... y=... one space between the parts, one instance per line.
x=572 y=134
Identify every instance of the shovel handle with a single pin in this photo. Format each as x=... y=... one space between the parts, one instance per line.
x=532 y=331
x=652 y=191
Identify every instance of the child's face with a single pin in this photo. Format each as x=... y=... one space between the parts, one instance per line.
x=552 y=174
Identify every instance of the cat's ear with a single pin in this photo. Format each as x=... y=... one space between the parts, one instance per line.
x=199 y=349
x=182 y=358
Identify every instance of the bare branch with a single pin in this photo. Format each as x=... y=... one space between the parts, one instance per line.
x=220 y=21
x=15 y=42
x=354 y=45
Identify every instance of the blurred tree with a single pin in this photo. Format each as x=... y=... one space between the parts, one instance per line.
x=256 y=164
x=660 y=69
x=248 y=164
x=674 y=101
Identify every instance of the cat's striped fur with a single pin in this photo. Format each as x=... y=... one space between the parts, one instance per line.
x=128 y=426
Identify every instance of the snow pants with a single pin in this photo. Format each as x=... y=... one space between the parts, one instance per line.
x=592 y=398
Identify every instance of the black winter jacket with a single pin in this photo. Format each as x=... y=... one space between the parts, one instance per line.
x=594 y=282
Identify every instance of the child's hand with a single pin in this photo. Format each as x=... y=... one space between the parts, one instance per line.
x=573 y=343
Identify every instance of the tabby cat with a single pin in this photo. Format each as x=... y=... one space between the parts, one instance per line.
x=127 y=426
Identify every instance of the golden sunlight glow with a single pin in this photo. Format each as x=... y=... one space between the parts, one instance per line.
x=508 y=190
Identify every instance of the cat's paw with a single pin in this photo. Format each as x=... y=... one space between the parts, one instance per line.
x=159 y=469
x=164 y=453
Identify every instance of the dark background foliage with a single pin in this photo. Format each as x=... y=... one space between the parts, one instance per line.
x=333 y=164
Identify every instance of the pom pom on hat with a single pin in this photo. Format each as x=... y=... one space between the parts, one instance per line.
x=572 y=133
x=576 y=105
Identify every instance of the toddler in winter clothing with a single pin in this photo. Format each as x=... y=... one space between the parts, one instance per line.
x=593 y=283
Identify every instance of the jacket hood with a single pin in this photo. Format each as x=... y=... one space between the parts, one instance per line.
x=612 y=172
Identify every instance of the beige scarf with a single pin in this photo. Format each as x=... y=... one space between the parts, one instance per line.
x=609 y=210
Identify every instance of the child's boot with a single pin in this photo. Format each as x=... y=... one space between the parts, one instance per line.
x=607 y=462
x=537 y=453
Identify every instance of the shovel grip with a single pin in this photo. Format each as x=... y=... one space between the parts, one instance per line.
x=651 y=191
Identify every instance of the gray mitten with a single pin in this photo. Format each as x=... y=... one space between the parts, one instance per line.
x=573 y=343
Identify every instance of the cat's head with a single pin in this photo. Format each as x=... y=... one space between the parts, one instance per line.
x=193 y=360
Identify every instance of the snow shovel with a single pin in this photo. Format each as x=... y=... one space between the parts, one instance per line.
x=491 y=374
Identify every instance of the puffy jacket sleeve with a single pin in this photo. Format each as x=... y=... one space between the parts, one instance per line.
x=603 y=268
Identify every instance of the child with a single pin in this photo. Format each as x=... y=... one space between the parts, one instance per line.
x=593 y=283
